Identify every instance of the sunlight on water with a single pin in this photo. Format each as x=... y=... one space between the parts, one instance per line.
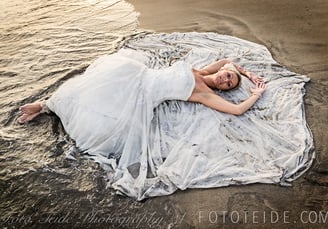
x=41 y=43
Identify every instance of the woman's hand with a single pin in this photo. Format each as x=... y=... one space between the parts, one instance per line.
x=250 y=75
x=259 y=89
x=255 y=78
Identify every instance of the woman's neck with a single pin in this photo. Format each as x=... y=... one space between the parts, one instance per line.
x=210 y=80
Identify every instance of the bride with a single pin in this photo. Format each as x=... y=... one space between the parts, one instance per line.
x=108 y=111
x=222 y=75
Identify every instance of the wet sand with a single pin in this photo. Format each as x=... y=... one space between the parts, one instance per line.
x=296 y=33
x=56 y=192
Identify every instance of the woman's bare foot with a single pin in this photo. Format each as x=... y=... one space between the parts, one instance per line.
x=27 y=117
x=30 y=111
x=31 y=108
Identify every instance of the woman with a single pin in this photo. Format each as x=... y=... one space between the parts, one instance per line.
x=222 y=75
x=109 y=112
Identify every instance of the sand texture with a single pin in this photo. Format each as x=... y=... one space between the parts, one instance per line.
x=44 y=183
x=296 y=33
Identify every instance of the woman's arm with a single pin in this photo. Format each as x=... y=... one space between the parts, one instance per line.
x=250 y=75
x=218 y=103
x=215 y=66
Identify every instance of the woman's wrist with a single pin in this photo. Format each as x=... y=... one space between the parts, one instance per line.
x=257 y=94
x=249 y=74
x=244 y=72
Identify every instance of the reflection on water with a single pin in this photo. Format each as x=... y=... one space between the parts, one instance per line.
x=42 y=43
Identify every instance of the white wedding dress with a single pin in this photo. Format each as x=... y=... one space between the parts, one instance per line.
x=133 y=119
x=108 y=110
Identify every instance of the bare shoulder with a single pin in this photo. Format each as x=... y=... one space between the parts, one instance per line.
x=201 y=90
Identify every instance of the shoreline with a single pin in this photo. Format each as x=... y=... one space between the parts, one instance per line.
x=296 y=38
x=46 y=183
x=296 y=34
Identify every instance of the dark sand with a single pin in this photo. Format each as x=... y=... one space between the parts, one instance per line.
x=59 y=193
x=296 y=33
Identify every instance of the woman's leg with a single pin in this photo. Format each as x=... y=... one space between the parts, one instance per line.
x=31 y=110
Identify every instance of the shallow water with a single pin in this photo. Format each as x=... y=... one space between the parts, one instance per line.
x=42 y=43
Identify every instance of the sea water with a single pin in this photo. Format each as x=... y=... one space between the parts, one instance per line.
x=42 y=44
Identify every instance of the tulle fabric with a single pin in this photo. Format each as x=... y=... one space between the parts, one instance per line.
x=129 y=113
x=108 y=112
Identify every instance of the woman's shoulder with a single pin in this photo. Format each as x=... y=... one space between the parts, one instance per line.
x=201 y=89
x=200 y=84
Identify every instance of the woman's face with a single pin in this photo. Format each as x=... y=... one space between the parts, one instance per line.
x=226 y=80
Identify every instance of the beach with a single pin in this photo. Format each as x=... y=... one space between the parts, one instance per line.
x=42 y=186
x=296 y=34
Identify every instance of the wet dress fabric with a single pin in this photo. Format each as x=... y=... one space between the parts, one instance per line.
x=128 y=112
